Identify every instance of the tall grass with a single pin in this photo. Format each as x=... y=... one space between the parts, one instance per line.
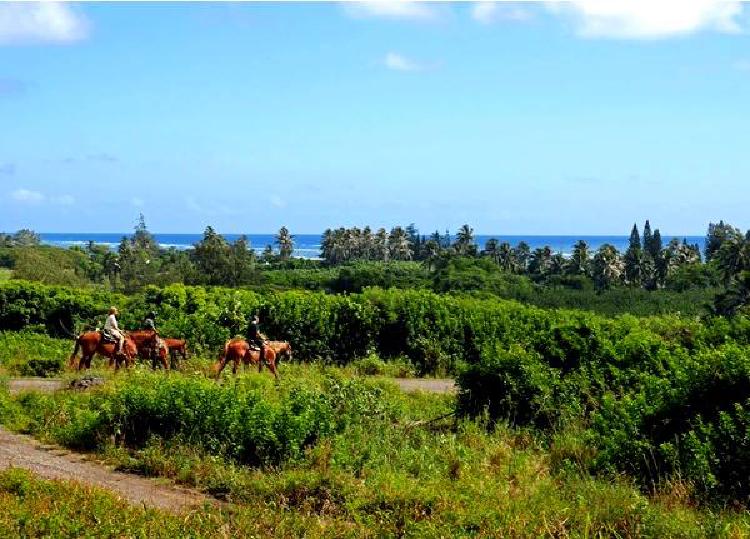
x=374 y=465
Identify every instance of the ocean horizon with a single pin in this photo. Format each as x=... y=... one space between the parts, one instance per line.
x=308 y=245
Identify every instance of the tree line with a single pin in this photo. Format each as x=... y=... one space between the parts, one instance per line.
x=646 y=263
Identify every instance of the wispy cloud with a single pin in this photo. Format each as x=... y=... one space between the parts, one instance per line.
x=399 y=62
x=27 y=196
x=41 y=22
x=7 y=169
x=404 y=10
x=742 y=65
x=648 y=19
x=137 y=202
x=488 y=12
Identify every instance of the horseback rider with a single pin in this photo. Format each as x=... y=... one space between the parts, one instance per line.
x=149 y=323
x=112 y=329
x=254 y=336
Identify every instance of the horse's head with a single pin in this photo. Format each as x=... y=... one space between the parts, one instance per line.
x=286 y=351
x=129 y=347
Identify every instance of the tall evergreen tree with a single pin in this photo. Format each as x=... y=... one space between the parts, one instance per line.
x=138 y=258
x=212 y=258
x=633 y=258
x=647 y=235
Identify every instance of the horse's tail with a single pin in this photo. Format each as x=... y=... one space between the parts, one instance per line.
x=73 y=356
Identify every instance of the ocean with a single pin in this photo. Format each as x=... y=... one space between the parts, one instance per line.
x=308 y=245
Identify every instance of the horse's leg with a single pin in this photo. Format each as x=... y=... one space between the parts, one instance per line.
x=272 y=368
x=220 y=366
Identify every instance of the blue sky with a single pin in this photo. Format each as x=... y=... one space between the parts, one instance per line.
x=575 y=118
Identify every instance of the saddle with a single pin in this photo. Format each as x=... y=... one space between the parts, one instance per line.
x=107 y=336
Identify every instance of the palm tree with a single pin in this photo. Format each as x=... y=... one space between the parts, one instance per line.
x=327 y=245
x=431 y=250
x=522 y=256
x=557 y=264
x=367 y=243
x=285 y=241
x=399 y=244
x=464 y=244
x=608 y=268
x=540 y=260
x=491 y=249
x=506 y=257
x=732 y=257
x=580 y=260
x=381 y=245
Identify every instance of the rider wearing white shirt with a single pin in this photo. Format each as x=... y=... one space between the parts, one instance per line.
x=113 y=328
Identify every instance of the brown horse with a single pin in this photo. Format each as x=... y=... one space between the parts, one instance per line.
x=238 y=350
x=282 y=349
x=176 y=346
x=91 y=343
x=146 y=340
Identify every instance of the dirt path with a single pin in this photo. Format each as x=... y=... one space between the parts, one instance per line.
x=53 y=462
x=428 y=385
x=45 y=385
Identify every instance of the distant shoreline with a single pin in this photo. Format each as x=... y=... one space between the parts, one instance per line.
x=308 y=245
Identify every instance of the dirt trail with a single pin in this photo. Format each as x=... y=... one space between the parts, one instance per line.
x=45 y=385
x=53 y=462
x=428 y=385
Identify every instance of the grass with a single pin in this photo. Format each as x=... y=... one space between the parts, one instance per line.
x=379 y=474
x=33 y=354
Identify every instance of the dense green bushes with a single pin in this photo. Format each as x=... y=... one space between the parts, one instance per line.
x=33 y=354
x=436 y=332
x=249 y=420
x=655 y=405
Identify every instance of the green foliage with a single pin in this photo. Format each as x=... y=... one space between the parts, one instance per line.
x=32 y=354
x=374 y=469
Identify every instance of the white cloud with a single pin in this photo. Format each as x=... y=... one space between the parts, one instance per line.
x=27 y=196
x=40 y=22
x=415 y=11
x=649 y=19
x=398 y=62
x=487 y=12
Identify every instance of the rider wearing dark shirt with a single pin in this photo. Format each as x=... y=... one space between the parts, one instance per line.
x=254 y=335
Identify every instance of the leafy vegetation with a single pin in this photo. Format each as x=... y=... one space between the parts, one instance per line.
x=32 y=354
x=374 y=467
